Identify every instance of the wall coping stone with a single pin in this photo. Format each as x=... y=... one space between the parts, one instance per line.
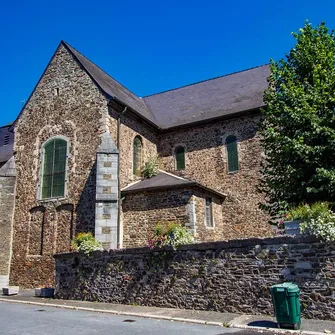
x=222 y=245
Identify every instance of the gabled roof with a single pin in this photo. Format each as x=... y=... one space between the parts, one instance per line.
x=110 y=86
x=210 y=99
x=166 y=180
x=220 y=97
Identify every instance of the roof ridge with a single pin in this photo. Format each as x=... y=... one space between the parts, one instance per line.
x=173 y=175
x=202 y=81
x=71 y=47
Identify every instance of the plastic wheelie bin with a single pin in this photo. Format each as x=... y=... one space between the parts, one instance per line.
x=286 y=302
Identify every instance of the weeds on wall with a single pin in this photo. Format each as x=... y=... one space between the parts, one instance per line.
x=170 y=234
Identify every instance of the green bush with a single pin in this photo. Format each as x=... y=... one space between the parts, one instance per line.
x=306 y=212
x=170 y=234
x=86 y=243
x=150 y=168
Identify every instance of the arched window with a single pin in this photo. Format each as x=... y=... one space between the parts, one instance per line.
x=54 y=168
x=232 y=154
x=179 y=155
x=137 y=155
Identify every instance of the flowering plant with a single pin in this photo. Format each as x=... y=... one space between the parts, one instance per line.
x=86 y=243
x=171 y=234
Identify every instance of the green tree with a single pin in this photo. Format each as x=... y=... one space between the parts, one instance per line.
x=299 y=125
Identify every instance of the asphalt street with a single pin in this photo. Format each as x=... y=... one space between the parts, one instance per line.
x=17 y=319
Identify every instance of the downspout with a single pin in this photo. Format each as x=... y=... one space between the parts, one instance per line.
x=118 y=179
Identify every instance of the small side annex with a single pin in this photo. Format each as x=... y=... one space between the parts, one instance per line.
x=169 y=198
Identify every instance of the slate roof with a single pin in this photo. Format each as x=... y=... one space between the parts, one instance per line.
x=202 y=101
x=166 y=180
x=6 y=143
x=110 y=86
x=210 y=99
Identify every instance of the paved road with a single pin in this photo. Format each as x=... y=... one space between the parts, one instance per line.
x=17 y=319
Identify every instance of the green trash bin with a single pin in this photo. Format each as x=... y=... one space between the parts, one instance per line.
x=286 y=303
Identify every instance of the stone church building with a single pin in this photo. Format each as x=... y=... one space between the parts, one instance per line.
x=72 y=162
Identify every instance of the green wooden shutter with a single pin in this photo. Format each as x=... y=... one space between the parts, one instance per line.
x=232 y=154
x=180 y=158
x=54 y=168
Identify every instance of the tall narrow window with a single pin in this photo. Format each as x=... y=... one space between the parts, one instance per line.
x=137 y=155
x=54 y=168
x=179 y=154
x=209 y=213
x=232 y=154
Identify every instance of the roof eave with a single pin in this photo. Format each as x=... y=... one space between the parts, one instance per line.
x=121 y=103
x=215 y=119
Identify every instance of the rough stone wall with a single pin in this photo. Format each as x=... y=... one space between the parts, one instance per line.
x=7 y=188
x=232 y=276
x=142 y=211
x=129 y=129
x=65 y=102
x=204 y=233
x=206 y=162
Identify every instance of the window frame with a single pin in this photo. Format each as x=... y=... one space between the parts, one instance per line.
x=137 y=172
x=211 y=224
x=237 y=154
x=175 y=157
x=42 y=159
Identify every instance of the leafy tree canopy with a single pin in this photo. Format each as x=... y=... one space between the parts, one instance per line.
x=299 y=123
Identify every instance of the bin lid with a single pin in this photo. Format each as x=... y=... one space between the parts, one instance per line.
x=288 y=287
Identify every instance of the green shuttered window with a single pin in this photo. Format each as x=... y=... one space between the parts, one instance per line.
x=137 y=155
x=180 y=158
x=232 y=153
x=54 y=168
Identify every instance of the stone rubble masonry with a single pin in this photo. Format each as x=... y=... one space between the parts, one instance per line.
x=233 y=276
x=206 y=163
x=106 y=208
x=78 y=111
x=7 y=191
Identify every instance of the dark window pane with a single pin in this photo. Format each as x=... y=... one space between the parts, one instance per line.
x=208 y=213
x=180 y=158
x=232 y=154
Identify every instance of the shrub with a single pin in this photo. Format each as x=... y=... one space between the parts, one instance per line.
x=323 y=226
x=170 y=234
x=86 y=243
x=150 y=168
x=306 y=212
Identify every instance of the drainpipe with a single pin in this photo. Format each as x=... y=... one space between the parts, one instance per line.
x=118 y=179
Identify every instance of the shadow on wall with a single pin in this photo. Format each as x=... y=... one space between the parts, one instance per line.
x=156 y=200
x=85 y=210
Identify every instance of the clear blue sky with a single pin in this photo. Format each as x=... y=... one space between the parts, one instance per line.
x=149 y=46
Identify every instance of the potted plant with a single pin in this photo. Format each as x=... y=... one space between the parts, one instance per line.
x=302 y=213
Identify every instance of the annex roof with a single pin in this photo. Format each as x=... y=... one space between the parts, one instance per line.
x=166 y=180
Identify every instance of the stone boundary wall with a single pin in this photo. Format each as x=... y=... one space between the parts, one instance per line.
x=232 y=276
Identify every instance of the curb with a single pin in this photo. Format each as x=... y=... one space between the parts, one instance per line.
x=115 y=312
x=231 y=324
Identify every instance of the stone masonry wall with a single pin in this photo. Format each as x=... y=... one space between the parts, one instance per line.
x=129 y=129
x=206 y=163
x=7 y=186
x=232 y=276
x=65 y=102
x=142 y=211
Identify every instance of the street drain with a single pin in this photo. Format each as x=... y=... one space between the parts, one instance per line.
x=40 y=310
x=129 y=320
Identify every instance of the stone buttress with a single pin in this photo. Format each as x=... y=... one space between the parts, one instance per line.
x=106 y=208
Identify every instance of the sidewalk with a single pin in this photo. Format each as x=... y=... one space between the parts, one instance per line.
x=262 y=322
